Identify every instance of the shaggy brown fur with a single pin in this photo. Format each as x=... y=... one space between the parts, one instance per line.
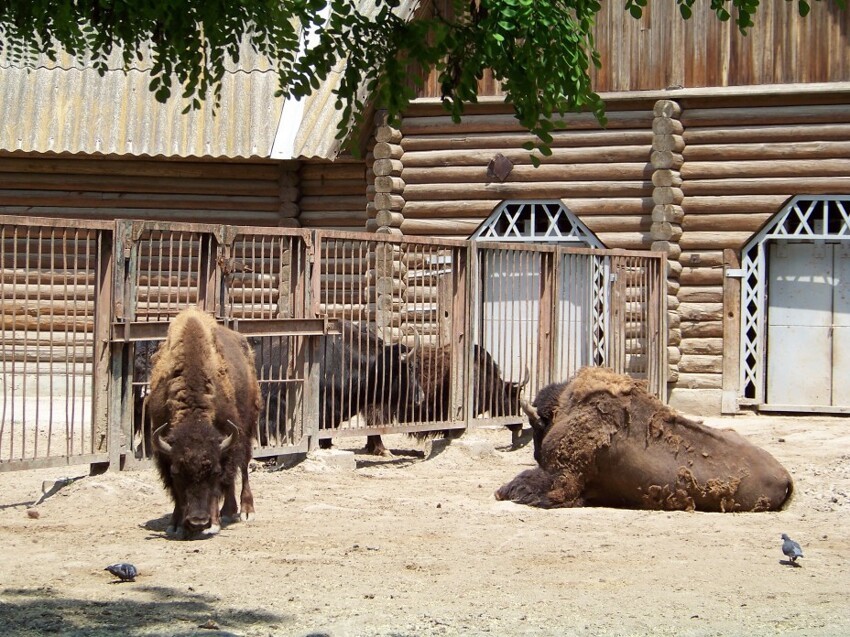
x=202 y=380
x=612 y=443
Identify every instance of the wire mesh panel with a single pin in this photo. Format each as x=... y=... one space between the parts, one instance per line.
x=52 y=288
x=399 y=354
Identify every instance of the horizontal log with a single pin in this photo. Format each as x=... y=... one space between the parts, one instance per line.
x=390 y=184
x=46 y=277
x=729 y=204
x=666 y=159
x=800 y=185
x=454 y=227
x=701 y=276
x=617 y=171
x=702 y=346
x=804 y=168
x=665 y=231
x=313 y=204
x=129 y=200
x=666 y=108
x=529 y=190
x=738 y=222
x=602 y=154
x=666 y=177
x=625 y=240
x=443 y=124
x=667 y=196
x=117 y=186
x=701 y=311
x=332 y=171
x=700 y=364
x=387 y=167
x=389 y=201
x=187 y=215
x=767 y=151
x=388 y=218
x=606 y=224
x=143 y=168
x=387 y=134
x=700 y=294
x=560 y=139
x=666 y=126
x=687 y=380
x=670 y=213
x=47 y=322
x=701 y=329
x=330 y=218
x=668 y=143
x=23 y=353
x=333 y=187
x=705 y=258
x=66 y=292
x=776 y=133
x=747 y=116
x=702 y=240
x=385 y=150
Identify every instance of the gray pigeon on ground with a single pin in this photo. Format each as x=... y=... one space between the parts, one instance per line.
x=124 y=571
x=791 y=549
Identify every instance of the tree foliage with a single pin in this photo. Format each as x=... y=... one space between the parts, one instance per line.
x=540 y=50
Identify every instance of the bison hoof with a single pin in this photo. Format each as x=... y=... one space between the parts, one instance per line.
x=176 y=532
x=212 y=530
x=247 y=516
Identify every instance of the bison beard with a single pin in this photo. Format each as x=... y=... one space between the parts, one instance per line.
x=603 y=440
x=202 y=433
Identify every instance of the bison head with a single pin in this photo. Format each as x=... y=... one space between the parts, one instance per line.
x=491 y=392
x=398 y=371
x=195 y=455
x=541 y=413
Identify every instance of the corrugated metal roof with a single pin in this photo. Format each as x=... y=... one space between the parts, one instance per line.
x=65 y=106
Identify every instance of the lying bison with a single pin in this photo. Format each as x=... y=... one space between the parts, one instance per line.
x=203 y=404
x=605 y=441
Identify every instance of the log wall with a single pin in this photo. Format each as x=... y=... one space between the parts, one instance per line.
x=447 y=186
x=252 y=193
x=691 y=177
x=333 y=195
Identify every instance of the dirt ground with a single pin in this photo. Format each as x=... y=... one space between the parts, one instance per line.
x=416 y=545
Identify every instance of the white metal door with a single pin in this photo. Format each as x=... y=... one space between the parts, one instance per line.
x=841 y=325
x=802 y=312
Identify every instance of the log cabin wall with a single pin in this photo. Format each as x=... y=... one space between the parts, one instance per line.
x=692 y=176
x=71 y=186
x=442 y=186
x=333 y=195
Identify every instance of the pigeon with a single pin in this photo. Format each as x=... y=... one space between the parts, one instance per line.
x=123 y=571
x=791 y=549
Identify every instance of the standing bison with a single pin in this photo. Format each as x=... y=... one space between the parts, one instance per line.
x=605 y=441
x=490 y=392
x=203 y=404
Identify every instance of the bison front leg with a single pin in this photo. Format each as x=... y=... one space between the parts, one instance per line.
x=176 y=529
x=247 y=498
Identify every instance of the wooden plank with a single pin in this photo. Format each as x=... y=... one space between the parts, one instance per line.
x=731 y=334
x=561 y=138
x=614 y=172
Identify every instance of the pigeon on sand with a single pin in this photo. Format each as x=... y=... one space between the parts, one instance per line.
x=791 y=549
x=123 y=571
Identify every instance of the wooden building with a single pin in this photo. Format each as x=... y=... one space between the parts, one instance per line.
x=730 y=154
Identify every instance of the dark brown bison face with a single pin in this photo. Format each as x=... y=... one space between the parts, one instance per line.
x=195 y=453
x=491 y=392
x=541 y=413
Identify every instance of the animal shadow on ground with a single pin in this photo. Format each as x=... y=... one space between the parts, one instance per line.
x=790 y=563
x=27 y=612
x=160 y=525
x=397 y=458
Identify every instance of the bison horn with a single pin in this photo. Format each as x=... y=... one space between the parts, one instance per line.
x=531 y=411
x=229 y=440
x=525 y=378
x=159 y=441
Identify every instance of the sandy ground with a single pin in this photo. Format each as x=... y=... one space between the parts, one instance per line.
x=417 y=545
